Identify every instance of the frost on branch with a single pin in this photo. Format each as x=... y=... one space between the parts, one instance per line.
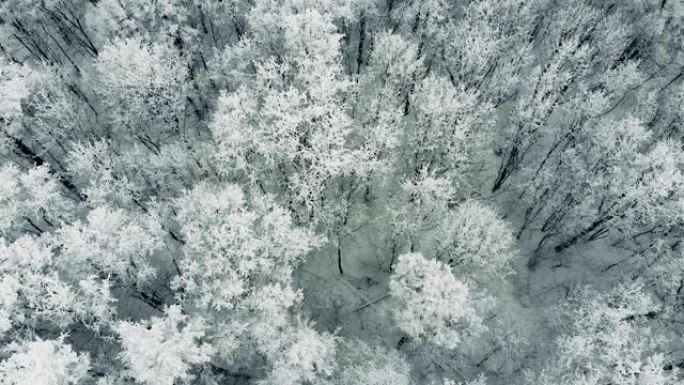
x=433 y=306
x=43 y=362
x=163 y=349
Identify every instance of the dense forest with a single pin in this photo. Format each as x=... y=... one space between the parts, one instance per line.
x=344 y=192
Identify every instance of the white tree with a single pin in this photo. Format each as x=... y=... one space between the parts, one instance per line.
x=33 y=292
x=228 y=245
x=363 y=364
x=239 y=256
x=9 y=286
x=446 y=130
x=15 y=84
x=43 y=362
x=31 y=200
x=308 y=358
x=163 y=349
x=111 y=243
x=475 y=241
x=37 y=294
x=287 y=125
x=609 y=341
x=154 y=22
x=432 y=305
x=419 y=206
x=143 y=89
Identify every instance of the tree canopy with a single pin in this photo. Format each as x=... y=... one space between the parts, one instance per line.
x=346 y=192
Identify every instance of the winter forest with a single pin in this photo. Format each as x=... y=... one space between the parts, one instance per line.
x=344 y=192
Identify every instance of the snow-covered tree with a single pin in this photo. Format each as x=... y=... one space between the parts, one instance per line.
x=609 y=341
x=111 y=243
x=446 y=129
x=154 y=22
x=31 y=200
x=432 y=305
x=15 y=85
x=228 y=245
x=475 y=241
x=287 y=122
x=43 y=362
x=33 y=292
x=142 y=88
x=308 y=359
x=363 y=364
x=164 y=349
